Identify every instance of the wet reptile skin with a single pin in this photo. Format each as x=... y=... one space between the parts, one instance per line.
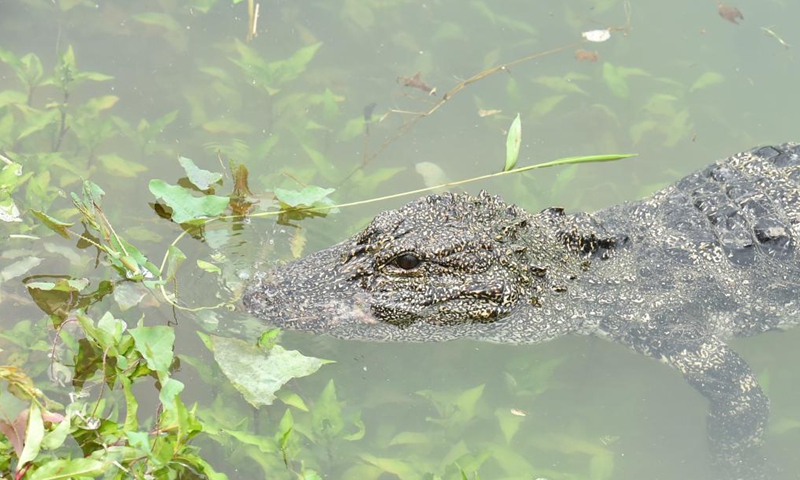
x=673 y=276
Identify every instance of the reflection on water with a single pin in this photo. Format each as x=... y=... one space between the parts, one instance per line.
x=683 y=86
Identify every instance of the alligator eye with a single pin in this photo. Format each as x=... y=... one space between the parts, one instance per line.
x=406 y=261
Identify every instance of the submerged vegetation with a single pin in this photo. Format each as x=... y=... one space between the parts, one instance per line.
x=123 y=190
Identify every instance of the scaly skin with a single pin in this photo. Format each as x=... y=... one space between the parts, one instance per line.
x=672 y=276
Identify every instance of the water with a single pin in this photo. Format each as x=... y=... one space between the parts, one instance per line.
x=697 y=88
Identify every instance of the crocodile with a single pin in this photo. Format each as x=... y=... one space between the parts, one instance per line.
x=673 y=276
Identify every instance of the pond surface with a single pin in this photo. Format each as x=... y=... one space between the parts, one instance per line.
x=326 y=95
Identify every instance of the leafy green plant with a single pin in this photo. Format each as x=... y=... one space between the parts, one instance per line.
x=54 y=135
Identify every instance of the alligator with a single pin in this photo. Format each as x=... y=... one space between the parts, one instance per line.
x=673 y=276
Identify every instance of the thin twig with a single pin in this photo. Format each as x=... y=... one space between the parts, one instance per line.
x=448 y=95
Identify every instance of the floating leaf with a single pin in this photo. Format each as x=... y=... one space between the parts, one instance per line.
x=202 y=179
x=309 y=196
x=513 y=142
x=185 y=206
x=258 y=374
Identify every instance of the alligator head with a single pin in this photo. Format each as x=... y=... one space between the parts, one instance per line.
x=442 y=267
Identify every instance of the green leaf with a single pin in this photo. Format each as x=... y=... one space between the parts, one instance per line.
x=287 y=70
x=601 y=467
x=202 y=179
x=309 y=196
x=9 y=211
x=412 y=438
x=9 y=58
x=208 y=267
x=55 y=225
x=175 y=257
x=10 y=177
x=138 y=440
x=158 y=19
x=509 y=423
x=12 y=97
x=268 y=339
x=131 y=405
x=93 y=76
x=352 y=128
x=706 y=80
x=292 y=399
x=69 y=469
x=326 y=416
x=185 y=206
x=227 y=126
x=37 y=120
x=155 y=346
x=34 y=433
x=129 y=294
x=584 y=159
x=258 y=374
x=616 y=78
x=118 y=166
x=513 y=142
x=559 y=84
x=133 y=259
x=19 y=268
x=547 y=104
x=56 y=437
x=399 y=468
x=637 y=131
x=170 y=389
x=93 y=106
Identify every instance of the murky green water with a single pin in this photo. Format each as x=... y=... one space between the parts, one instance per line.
x=676 y=83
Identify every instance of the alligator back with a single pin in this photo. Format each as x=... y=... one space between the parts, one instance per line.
x=716 y=251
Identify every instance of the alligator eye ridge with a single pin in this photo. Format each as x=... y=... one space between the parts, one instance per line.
x=406 y=261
